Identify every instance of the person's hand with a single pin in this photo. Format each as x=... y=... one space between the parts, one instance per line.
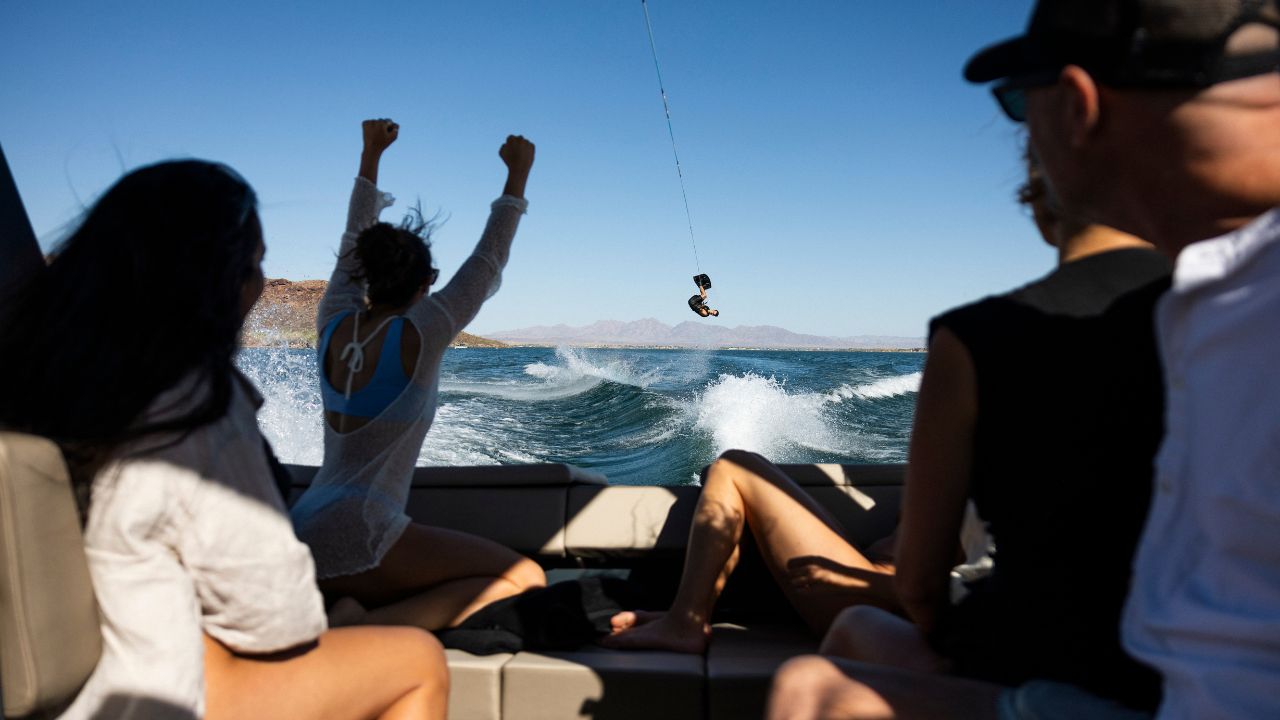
x=517 y=153
x=379 y=134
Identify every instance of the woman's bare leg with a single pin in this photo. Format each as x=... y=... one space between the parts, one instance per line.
x=356 y=673
x=812 y=687
x=435 y=578
x=872 y=635
x=744 y=489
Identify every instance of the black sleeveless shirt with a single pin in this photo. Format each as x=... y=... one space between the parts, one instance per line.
x=1070 y=414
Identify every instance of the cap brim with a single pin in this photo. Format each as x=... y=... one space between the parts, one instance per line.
x=1002 y=60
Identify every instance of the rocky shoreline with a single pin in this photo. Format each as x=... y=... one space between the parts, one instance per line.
x=285 y=316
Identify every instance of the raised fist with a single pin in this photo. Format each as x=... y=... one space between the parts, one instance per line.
x=379 y=134
x=517 y=153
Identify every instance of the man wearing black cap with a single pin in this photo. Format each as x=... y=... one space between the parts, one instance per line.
x=1160 y=118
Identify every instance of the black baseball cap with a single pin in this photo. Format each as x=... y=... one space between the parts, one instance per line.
x=1141 y=43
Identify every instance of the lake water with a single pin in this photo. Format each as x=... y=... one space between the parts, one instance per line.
x=641 y=417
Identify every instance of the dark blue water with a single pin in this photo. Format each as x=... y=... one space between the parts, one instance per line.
x=638 y=416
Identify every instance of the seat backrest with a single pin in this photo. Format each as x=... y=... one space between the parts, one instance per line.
x=50 y=638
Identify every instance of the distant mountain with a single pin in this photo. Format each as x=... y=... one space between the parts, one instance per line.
x=652 y=333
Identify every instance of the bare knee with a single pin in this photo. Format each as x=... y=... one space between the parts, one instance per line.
x=526 y=574
x=733 y=468
x=423 y=656
x=813 y=687
x=801 y=673
x=734 y=461
x=844 y=638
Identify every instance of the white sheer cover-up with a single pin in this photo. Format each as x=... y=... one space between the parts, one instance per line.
x=354 y=510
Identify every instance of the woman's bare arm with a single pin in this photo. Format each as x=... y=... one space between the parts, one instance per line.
x=378 y=136
x=343 y=291
x=938 y=479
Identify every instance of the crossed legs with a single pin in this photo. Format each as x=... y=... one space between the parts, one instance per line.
x=743 y=489
x=435 y=578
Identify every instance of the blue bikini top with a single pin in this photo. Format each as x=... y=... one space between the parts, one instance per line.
x=388 y=379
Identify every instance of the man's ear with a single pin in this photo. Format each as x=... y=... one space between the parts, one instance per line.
x=1081 y=109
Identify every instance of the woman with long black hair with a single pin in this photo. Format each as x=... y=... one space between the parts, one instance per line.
x=122 y=353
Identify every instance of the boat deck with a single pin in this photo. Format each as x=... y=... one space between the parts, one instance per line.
x=573 y=522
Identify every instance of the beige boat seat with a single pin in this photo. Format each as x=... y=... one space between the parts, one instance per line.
x=520 y=506
x=604 y=685
x=50 y=638
x=741 y=663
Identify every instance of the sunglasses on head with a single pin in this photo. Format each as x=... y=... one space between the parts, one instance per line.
x=1011 y=95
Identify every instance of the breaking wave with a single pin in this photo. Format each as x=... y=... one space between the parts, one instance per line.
x=877 y=389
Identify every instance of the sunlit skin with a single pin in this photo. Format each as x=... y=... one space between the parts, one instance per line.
x=1216 y=151
x=802 y=544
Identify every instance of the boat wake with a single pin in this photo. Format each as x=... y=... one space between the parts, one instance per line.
x=878 y=389
x=637 y=416
x=573 y=374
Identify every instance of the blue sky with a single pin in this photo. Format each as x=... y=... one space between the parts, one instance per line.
x=842 y=178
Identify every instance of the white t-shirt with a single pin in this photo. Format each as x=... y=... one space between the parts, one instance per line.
x=186 y=540
x=1204 y=608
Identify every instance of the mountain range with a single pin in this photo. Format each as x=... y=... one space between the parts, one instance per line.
x=286 y=314
x=653 y=333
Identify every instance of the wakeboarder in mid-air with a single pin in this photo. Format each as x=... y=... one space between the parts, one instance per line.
x=698 y=303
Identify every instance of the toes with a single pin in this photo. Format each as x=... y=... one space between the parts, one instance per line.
x=623 y=620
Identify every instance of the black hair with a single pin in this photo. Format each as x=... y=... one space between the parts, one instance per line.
x=395 y=260
x=144 y=293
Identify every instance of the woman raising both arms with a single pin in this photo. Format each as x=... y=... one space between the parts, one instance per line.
x=382 y=337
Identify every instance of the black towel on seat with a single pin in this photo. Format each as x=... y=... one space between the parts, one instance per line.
x=563 y=616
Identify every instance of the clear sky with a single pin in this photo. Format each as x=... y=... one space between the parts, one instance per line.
x=843 y=179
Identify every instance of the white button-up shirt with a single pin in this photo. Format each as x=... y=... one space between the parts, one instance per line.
x=1204 y=608
x=190 y=539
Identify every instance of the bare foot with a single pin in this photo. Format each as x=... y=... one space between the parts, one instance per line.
x=661 y=633
x=630 y=618
x=346 y=611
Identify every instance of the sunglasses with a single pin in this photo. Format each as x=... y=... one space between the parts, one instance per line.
x=435 y=275
x=1011 y=95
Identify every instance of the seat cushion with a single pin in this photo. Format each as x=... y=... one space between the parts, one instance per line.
x=475 y=685
x=603 y=684
x=741 y=664
x=50 y=639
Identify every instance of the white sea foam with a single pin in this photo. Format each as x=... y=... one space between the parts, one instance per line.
x=460 y=436
x=575 y=363
x=523 y=391
x=292 y=415
x=877 y=389
x=756 y=413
